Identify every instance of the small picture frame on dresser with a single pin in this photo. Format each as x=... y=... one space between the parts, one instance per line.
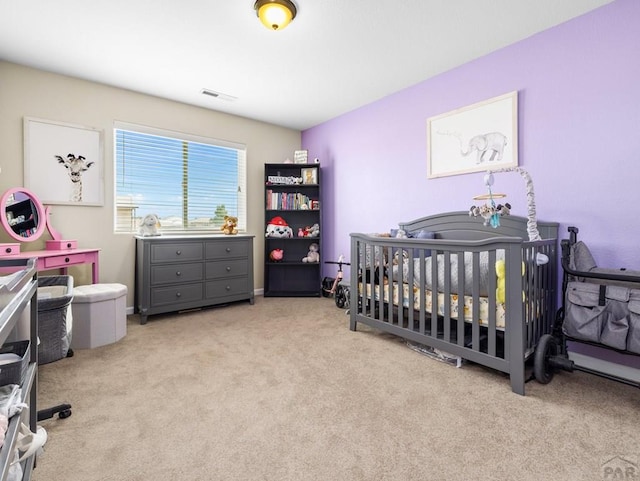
x=309 y=176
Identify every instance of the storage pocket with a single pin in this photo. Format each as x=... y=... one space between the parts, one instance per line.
x=583 y=316
x=616 y=327
x=633 y=339
x=598 y=313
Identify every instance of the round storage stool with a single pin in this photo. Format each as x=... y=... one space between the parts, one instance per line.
x=99 y=315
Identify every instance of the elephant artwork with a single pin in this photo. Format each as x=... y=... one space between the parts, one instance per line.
x=489 y=147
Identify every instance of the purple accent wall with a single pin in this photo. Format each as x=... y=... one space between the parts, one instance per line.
x=579 y=137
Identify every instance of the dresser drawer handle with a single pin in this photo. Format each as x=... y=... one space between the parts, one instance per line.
x=228 y=269
x=178 y=294
x=228 y=249
x=178 y=273
x=66 y=259
x=228 y=288
x=178 y=252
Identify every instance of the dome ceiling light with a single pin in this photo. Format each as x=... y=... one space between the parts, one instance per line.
x=275 y=14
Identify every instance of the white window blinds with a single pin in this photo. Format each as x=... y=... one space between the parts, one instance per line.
x=190 y=182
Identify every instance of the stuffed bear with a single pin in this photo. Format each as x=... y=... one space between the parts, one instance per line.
x=149 y=225
x=278 y=227
x=230 y=225
x=313 y=255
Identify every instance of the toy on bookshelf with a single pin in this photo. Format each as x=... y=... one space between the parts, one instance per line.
x=278 y=227
x=276 y=255
x=313 y=255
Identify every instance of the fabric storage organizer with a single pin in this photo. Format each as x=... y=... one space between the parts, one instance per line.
x=55 y=294
x=601 y=309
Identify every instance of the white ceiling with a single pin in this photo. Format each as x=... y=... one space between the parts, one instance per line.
x=337 y=55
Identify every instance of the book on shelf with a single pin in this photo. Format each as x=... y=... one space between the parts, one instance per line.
x=289 y=201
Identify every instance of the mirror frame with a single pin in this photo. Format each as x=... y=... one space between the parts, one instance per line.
x=40 y=211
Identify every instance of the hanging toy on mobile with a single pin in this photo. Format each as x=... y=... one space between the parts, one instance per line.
x=490 y=212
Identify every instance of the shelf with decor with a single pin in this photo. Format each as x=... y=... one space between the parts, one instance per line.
x=293 y=241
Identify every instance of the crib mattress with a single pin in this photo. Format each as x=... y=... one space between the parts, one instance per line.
x=483 y=307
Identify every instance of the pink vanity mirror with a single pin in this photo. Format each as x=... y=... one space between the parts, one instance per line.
x=25 y=219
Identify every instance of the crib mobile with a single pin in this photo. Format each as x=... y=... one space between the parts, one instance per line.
x=491 y=212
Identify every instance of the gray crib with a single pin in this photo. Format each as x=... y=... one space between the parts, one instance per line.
x=472 y=291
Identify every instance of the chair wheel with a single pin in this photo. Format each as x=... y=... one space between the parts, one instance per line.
x=64 y=414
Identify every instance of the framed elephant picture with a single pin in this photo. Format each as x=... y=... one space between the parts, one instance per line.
x=476 y=138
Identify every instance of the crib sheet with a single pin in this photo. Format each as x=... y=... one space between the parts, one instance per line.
x=483 y=303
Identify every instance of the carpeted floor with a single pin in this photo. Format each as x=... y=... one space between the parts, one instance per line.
x=283 y=390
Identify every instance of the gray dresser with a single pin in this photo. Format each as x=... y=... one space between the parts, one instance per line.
x=175 y=273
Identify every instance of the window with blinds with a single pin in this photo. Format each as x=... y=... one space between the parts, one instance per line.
x=190 y=182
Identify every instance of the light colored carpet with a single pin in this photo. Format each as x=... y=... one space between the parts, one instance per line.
x=283 y=390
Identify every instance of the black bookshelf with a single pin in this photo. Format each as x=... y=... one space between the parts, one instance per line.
x=292 y=193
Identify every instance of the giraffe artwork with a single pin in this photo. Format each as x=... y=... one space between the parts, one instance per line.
x=75 y=167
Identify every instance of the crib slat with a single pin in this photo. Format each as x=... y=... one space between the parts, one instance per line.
x=475 y=299
x=460 y=323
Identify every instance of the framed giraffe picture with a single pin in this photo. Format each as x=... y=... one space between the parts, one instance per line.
x=63 y=163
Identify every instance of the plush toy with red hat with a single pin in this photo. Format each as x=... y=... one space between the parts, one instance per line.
x=278 y=227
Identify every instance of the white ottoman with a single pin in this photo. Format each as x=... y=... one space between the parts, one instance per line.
x=99 y=315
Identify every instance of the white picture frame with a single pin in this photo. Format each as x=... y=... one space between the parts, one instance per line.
x=477 y=138
x=300 y=156
x=63 y=162
x=309 y=176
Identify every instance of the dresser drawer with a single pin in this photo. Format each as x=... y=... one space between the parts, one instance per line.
x=175 y=273
x=226 y=287
x=174 y=295
x=228 y=268
x=225 y=249
x=63 y=261
x=182 y=252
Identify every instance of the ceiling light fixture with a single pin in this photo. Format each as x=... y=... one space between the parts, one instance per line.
x=275 y=14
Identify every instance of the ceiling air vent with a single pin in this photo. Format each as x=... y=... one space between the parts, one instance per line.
x=218 y=95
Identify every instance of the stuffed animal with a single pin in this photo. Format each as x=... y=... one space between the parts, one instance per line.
x=278 y=227
x=230 y=225
x=276 y=255
x=500 y=274
x=313 y=231
x=313 y=255
x=149 y=225
x=490 y=213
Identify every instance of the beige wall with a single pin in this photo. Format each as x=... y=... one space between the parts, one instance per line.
x=26 y=92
